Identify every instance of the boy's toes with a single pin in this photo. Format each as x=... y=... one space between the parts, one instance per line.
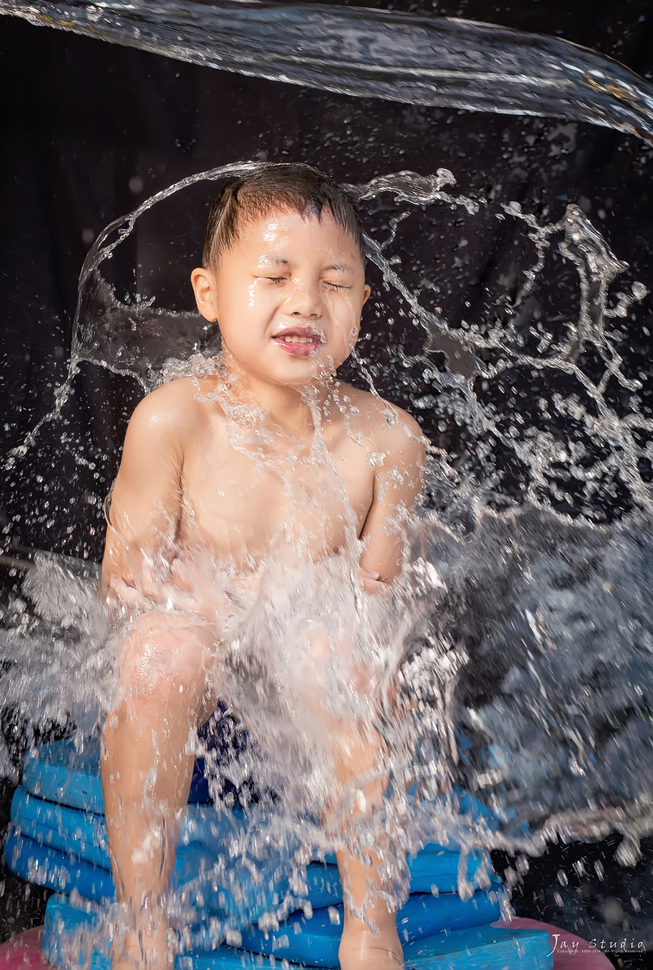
x=145 y=950
x=365 y=951
x=371 y=959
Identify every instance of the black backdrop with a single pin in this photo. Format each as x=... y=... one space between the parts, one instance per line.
x=89 y=130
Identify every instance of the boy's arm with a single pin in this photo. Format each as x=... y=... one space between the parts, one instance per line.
x=145 y=504
x=397 y=486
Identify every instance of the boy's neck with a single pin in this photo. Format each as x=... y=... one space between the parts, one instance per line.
x=293 y=410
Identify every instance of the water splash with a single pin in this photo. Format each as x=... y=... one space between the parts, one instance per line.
x=534 y=417
x=577 y=442
x=373 y=53
x=573 y=436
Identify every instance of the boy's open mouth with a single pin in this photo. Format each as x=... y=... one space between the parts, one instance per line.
x=299 y=343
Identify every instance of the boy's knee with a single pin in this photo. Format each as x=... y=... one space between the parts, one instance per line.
x=162 y=654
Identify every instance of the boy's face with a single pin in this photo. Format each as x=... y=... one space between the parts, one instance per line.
x=288 y=297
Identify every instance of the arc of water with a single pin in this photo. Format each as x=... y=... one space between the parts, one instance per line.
x=596 y=265
x=373 y=53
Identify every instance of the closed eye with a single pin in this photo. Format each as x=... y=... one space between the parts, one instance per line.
x=282 y=279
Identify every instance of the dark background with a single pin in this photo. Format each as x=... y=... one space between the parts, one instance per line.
x=90 y=130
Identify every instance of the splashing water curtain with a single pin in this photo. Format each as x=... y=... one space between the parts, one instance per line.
x=380 y=54
x=554 y=608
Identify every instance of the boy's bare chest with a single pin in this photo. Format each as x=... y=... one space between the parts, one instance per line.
x=245 y=499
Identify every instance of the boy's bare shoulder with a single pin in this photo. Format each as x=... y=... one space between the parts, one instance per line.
x=386 y=425
x=174 y=407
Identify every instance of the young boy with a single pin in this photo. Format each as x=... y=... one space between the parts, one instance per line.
x=265 y=458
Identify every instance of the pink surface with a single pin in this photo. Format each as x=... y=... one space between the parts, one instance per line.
x=570 y=952
x=23 y=952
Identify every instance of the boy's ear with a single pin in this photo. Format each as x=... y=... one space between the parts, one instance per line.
x=203 y=282
x=367 y=289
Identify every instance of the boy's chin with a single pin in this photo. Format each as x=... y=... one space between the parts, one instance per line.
x=310 y=376
x=310 y=384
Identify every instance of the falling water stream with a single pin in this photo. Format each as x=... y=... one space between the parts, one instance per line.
x=521 y=628
x=373 y=53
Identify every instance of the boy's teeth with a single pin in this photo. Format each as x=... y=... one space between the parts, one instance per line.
x=299 y=340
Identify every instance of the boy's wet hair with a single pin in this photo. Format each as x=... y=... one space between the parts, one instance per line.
x=300 y=188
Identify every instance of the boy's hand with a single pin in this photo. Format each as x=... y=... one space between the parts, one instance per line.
x=370 y=580
x=185 y=590
x=144 y=596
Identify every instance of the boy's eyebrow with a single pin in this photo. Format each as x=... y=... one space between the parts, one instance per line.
x=340 y=267
x=270 y=259
x=281 y=261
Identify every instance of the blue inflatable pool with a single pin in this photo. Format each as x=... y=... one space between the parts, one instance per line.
x=58 y=839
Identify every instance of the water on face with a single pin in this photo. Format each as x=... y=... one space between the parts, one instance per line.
x=512 y=659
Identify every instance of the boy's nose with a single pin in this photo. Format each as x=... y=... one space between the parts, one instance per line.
x=305 y=300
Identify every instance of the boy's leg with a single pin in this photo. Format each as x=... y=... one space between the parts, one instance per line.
x=358 y=751
x=146 y=773
x=360 y=947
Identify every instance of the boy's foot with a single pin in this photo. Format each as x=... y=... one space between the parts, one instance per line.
x=360 y=949
x=145 y=950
